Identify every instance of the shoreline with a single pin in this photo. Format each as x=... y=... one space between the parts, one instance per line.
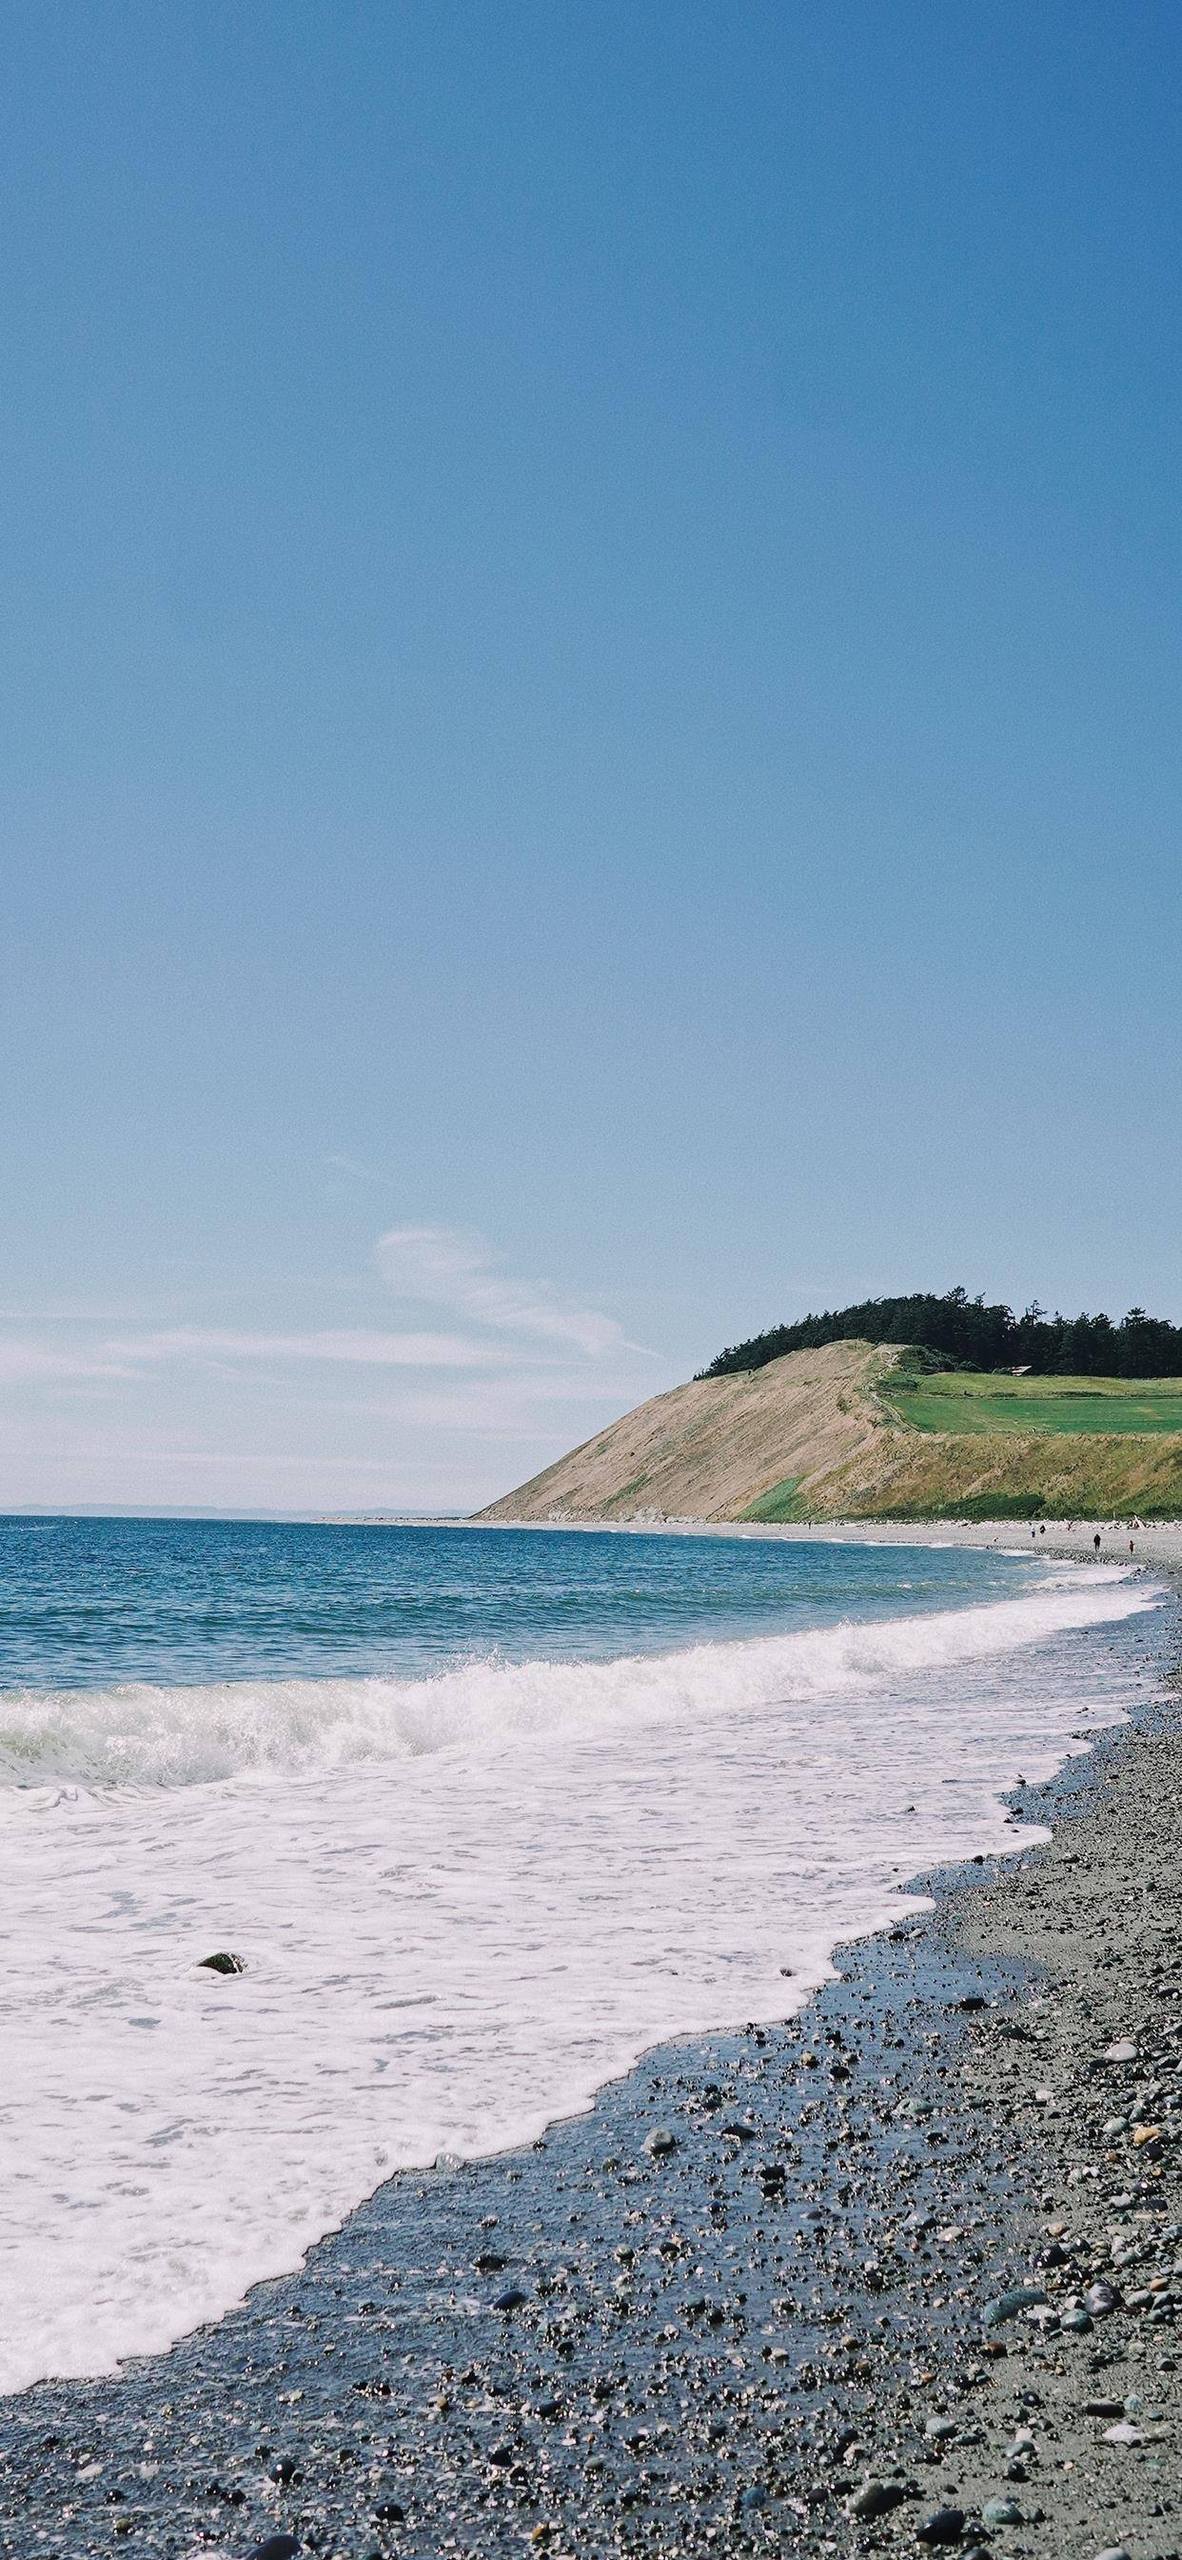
x=698 y=2328
x=1157 y=1542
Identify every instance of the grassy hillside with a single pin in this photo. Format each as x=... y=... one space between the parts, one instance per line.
x=851 y=1431
x=960 y=1401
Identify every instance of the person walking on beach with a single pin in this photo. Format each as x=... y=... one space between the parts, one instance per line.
x=1096 y=1542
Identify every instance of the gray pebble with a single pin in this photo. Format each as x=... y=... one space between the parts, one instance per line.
x=945 y=2525
x=1006 y=2306
x=874 y=2498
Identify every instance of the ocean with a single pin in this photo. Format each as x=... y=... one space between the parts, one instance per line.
x=484 y=1813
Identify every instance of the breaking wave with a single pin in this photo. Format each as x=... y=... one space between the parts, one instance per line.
x=138 y=1735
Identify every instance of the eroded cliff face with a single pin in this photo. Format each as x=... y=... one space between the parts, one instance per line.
x=712 y=1449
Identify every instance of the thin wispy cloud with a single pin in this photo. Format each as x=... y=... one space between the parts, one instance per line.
x=356 y=1348
x=79 y=1313
x=40 y=1364
x=465 y=1377
x=128 y=1356
x=443 y=1267
x=497 y=1323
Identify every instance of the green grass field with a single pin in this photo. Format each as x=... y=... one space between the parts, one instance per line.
x=967 y=1400
x=779 y=1504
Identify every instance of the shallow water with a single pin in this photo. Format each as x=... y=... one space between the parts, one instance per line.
x=485 y=1814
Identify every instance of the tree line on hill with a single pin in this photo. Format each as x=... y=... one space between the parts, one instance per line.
x=964 y=1333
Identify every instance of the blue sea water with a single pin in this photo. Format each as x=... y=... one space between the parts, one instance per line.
x=94 y=1602
x=485 y=1814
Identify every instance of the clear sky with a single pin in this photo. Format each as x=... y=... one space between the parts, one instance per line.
x=590 y=709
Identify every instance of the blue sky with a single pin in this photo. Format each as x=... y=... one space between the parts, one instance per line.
x=590 y=744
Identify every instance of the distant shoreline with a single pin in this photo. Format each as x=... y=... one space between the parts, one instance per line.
x=1159 y=1542
x=1156 y=1542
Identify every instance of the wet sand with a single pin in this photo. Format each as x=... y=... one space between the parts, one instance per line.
x=759 y=2297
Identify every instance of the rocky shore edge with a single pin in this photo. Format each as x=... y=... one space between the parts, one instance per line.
x=903 y=2272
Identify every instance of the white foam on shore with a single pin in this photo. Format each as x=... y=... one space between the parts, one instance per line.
x=464 y=1903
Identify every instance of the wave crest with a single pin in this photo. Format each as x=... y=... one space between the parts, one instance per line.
x=142 y=1736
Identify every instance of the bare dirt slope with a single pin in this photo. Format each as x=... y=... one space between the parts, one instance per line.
x=709 y=1450
x=821 y=1435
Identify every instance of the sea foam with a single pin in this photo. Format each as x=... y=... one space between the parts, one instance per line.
x=464 y=1902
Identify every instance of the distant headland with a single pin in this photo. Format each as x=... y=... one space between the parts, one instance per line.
x=911 y=1408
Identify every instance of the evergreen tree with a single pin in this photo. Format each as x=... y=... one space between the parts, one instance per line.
x=964 y=1332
